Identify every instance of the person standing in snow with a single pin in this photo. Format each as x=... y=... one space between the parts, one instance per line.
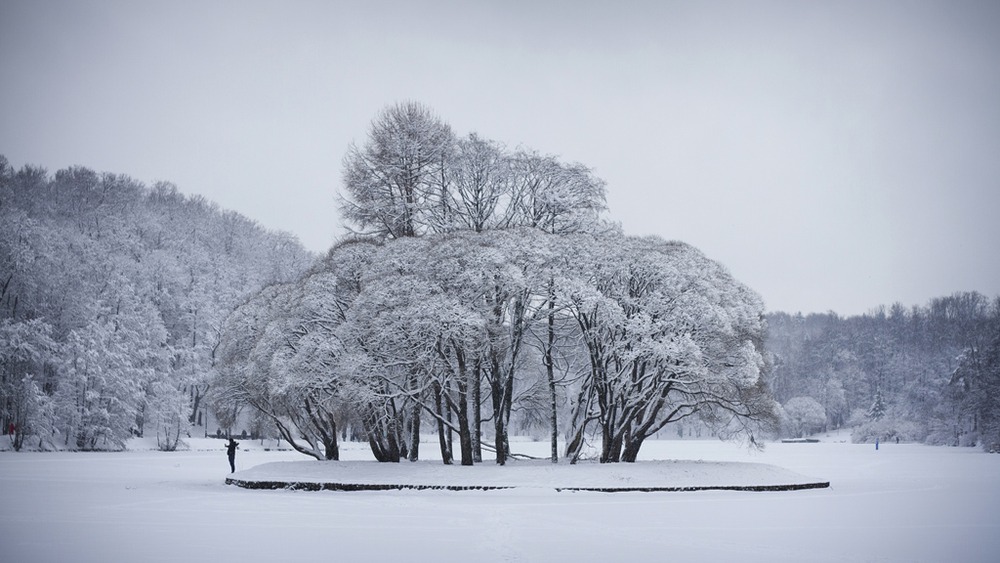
x=231 y=450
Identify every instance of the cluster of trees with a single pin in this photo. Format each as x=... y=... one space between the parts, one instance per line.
x=112 y=297
x=414 y=177
x=482 y=287
x=481 y=292
x=930 y=373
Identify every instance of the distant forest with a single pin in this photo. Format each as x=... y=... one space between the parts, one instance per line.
x=116 y=299
x=926 y=374
x=112 y=298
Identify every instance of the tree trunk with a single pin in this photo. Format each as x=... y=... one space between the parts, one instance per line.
x=464 y=434
x=632 y=446
x=414 y=448
x=382 y=435
x=550 y=375
x=332 y=445
x=500 y=392
x=197 y=393
x=441 y=428
x=496 y=394
x=498 y=442
x=412 y=425
x=508 y=401
x=578 y=424
x=477 y=411
x=611 y=442
x=325 y=425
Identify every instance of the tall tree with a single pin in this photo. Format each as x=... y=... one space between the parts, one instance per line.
x=392 y=182
x=26 y=348
x=552 y=196
x=478 y=187
x=669 y=335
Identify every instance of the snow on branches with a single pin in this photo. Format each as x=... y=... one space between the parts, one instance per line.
x=435 y=326
x=486 y=288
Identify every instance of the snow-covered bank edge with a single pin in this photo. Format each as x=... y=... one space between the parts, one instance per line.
x=643 y=476
x=347 y=487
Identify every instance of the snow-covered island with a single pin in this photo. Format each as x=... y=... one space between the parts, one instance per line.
x=643 y=476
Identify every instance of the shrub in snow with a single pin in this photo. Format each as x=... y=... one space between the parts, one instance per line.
x=803 y=415
x=889 y=428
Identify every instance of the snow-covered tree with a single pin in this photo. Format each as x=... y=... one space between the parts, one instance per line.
x=133 y=284
x=670 y=335
x=492 y=283
x=907 y=367
x=552 y=196
x=26 y=350
x=282 y=352
x=976 y=387
x=255 y=334
x=805 y=415
x=878 y=408
x=477 y=192
x=98 y=396
x=393 y=182
x=166 y=412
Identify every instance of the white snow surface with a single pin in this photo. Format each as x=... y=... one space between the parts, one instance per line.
x=903 y=502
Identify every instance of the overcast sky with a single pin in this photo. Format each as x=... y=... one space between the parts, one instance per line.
x=833 y=155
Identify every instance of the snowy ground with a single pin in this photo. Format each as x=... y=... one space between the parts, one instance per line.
x=902 y=503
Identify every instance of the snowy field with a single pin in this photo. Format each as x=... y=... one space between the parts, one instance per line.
x=901 y=503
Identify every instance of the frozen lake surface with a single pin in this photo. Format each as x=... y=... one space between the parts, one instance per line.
x=902 y=503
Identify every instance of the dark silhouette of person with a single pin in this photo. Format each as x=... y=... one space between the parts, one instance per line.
x=231 y=450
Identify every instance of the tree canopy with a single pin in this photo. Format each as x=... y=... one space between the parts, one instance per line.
x=483 y=285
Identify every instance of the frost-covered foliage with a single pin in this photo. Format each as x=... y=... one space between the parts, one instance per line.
x=395 y=179
x=111 y=299
x=413 y=177
x=437 y=327
x=976 y=388
x=888 y=429
x=486 y=288
x=24 y=348
x=926 y=374
x=803 y=416
x=669 y=334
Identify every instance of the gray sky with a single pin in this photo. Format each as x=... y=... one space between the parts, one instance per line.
x=833 y=155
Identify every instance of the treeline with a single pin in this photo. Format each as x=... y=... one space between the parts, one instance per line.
x=484 y=291
x=928 y=374
x=112 y=296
